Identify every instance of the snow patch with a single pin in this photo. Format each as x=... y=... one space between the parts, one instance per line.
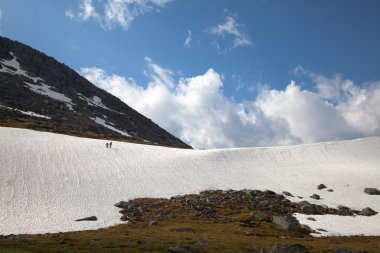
x=95 y=101
x=29 y=113
x=13 y=67
x=44 y=89
x=104 y=123
x=50 y=180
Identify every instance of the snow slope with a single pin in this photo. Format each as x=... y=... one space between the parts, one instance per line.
x=49 y=180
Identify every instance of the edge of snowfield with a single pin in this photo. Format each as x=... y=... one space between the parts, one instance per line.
x=48 y=180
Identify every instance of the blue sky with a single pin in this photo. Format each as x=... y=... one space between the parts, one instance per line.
x=239 y=64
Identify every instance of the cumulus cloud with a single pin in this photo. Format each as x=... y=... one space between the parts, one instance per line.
x=231 y=28
x=188 y=40
x=196 y=110
x=112 y=13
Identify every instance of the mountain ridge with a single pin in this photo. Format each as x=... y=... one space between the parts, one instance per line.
x=41 y=93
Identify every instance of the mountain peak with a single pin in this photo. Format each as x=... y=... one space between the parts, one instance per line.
x=40 y=93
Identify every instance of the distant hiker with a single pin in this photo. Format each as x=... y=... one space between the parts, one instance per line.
x=107 y=145
x=110 y=144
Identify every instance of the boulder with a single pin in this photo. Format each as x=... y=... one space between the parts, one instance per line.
x=284 y=223
x=307 y=208
x=287 y=194
x=153 y=223
x=91 y=218
x=321 y=186
x=122 y=204
x=315 y=196
x=367 y=212
x=290 y=248
x=260 y=216
x=372 y=191
x=184 y=249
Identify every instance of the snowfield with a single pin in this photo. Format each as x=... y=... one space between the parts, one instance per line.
x=49 y=180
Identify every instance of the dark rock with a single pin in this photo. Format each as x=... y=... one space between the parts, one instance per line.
x=284 y=223
x=307 y=208
x=367 y=212
x=321 y=186
x=203 y=243
x=184 y=249
x=260 y=216
x=246 y=233
x=291 y=248
x=141 y=242
x=372 y=191
x=311 y=218
x=341 y=250
x=153 y=223
x=330 y=190
x=91 y=218
x=287 y=194
x=315 y=196
x=122 y=204
x=183 y=229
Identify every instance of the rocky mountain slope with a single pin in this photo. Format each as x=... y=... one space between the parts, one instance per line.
x=38 y=92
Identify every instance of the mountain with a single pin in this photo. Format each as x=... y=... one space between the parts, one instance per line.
x=38 y=92
x=48 y=180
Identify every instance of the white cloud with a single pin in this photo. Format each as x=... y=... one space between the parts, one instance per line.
x=196 y=110
x=112 y=13
x=188 y=40
x=231 y=28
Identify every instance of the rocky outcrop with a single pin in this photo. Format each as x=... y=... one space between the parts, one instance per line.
x=66 y=102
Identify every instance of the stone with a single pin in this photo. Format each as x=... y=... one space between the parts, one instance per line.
x=287 y=194
x=367 y=212
x=284 y=223
x=321 y=186
x=153 y=223
x=91 y=218
x=341 y=250
x=290 y=248
x=330 y=190
x=122 y=204
x=372 y=191
x=260 y=216
x=315 y=196
x=203 y=243
x=311 y=218
x=184 y=249
x=307 y=208
x=183 y=229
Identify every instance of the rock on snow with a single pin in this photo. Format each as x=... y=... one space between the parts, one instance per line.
x=47 y=181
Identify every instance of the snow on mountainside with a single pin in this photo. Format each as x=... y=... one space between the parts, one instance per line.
x=49 y=180
x=37 y=84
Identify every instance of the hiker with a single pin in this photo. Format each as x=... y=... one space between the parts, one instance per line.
x=110 y=144
x=107 y=145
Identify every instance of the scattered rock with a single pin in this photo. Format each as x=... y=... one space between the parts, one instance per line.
x=311 y=218
x=340 y=250
x=330 y=190
x=372 y=191
x=367 y=212
x=153 y=223
x=122 y=204
x=322 y=230
x=315 y=196
x=184 y=249
x=203 y=243
x=91 y=218
x=287 y=194
x=291 y=248
x=260 y=216
x=284 y=223
x=321 y=186
x=183 y=229
x=307 y=208
x=246 y=233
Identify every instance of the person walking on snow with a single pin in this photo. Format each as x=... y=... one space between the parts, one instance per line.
x=110 y=144
x=107 y=145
